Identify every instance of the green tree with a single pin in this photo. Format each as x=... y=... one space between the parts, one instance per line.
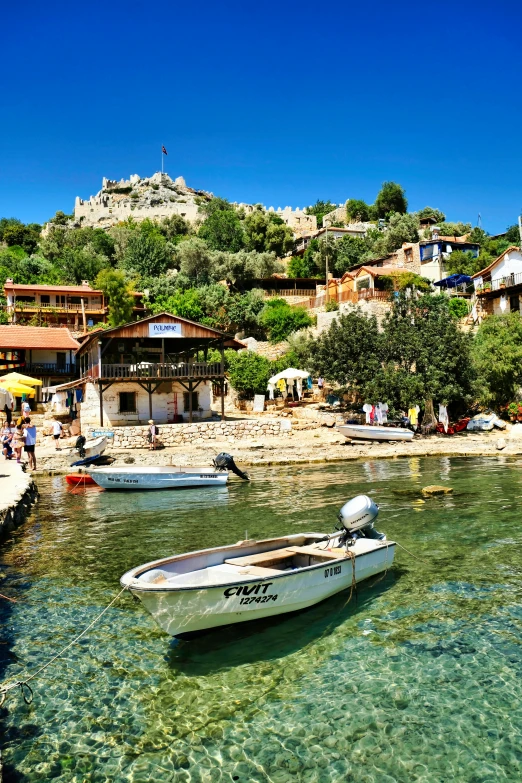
x=239 y=269
x=249 y=373
x=6 y=223
x=458 y=307
x=430 y=212
x=348 y=352
x=186 y=303
x=222 y=229
x=424 y=355
x=463 y=263
x=497 y=358
x=280 y=319
x=196 y=260
x=320 y=209
x=356 y=209
x=147 y=253
x=456 y=230
x=350 y=251
x=118 y=290
x=391 y=198
x=174 y=228
x=244 y=310
x=401 y=228
x=267 y=233
x=513 y=235
x=82 y=263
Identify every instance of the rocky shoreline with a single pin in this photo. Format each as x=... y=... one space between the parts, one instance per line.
x=307 y=446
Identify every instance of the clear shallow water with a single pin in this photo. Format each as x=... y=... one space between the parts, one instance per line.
x=420 y=679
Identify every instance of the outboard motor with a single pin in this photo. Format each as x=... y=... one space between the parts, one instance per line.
x=225 y=461
x=356 y=517
x=79 y=445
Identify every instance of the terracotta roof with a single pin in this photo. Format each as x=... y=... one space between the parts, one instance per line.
x=375 y=271
x=62 y=289
x=13 y=337
x=495 y=262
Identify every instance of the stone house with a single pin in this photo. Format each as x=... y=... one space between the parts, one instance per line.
x=498 y=287
x=157 y=368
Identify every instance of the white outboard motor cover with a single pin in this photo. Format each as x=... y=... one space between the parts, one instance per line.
x=359 y=512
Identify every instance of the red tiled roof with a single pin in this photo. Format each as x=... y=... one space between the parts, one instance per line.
x=13 y=337
x=375 y=271
x=495 y=262
x=49 y=289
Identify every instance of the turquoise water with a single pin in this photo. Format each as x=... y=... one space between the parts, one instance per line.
x=418 y=679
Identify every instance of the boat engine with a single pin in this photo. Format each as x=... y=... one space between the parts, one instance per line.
x=225 y=461
x=79 y=445
x=357 y=517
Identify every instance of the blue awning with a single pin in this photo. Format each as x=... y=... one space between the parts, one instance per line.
x=453 y=281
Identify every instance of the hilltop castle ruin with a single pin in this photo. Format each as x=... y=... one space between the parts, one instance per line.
x=158 y=197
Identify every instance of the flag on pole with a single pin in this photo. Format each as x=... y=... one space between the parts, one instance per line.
x=164 y=151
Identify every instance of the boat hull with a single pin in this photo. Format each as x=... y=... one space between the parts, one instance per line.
x=369 y=432
x=79 y=479
x=158 y=478
x=179 y=612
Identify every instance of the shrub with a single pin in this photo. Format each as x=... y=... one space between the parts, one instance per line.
x=135 y=195
x=281 y=320
x=155 y=187
x=458 y=307
x=331 y=306
x=249 y=373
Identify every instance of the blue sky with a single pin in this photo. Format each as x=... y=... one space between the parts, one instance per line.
x=282 y=103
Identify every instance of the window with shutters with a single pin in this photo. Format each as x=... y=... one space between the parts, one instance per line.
x=186 y=401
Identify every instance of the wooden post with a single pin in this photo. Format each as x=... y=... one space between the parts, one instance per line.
x=84 y=320
x=150 y=401
x=190 y=402
x=222 y=349
x=100 y=387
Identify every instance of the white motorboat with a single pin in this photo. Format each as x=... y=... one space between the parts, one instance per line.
x=167 y=477
x=86 y=451
x=250 y=580
x=157 y=477
x=374 y=432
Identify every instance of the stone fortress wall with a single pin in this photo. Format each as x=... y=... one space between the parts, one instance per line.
x=160 y=196
x=153 y=197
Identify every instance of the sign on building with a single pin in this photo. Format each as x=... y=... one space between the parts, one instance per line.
x=165 y=330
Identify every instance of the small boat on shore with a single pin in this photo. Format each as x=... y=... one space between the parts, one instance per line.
x=87 y=451
x=80 y=480
x=197 y=591
x=374 y=432
x=167 y=477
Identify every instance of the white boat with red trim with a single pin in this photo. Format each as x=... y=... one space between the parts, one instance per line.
x=196 y=591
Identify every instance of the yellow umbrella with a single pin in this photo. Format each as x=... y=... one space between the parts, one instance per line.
x=17 y=389
x=19 y=378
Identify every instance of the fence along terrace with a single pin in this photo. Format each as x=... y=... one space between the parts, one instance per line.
x=156 y=368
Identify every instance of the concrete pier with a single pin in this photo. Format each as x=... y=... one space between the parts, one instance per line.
x=18 y=492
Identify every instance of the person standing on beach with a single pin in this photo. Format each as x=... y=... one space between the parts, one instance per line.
x=8 y=408
x=153 y=434
x=57 y=432
x=320 y=386
x=30 y=442
x=26 y=409
x=18 y=442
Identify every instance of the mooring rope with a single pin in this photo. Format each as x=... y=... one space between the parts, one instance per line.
x=25 y=688
x=412 y=555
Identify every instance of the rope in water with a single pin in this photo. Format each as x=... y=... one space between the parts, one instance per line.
x=25 y=688
x=411 y=554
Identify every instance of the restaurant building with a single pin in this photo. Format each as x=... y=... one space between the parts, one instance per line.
x=44 y=353
x=163 y=367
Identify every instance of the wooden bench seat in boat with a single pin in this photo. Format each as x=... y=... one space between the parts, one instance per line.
x=315 y=551
x=261 y=558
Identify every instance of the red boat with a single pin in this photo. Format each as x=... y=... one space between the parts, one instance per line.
x=79 y=479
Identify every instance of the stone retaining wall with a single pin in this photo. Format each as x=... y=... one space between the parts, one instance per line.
x=18 y=492
x=200 y=432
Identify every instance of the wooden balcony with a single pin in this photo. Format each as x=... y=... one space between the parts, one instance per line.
x=34 y=307
x=148 y=371
x=49 y=368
